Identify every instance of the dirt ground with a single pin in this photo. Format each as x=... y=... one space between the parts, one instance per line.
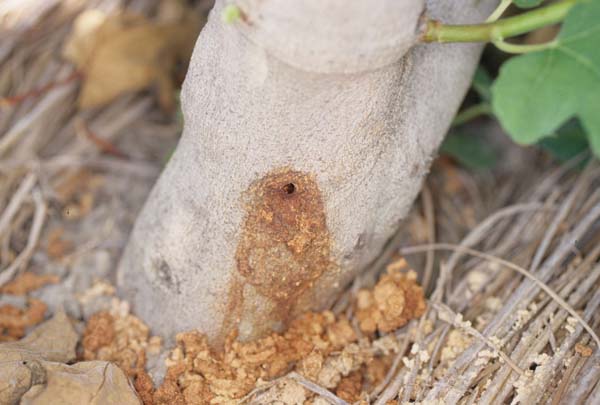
x=500 y=306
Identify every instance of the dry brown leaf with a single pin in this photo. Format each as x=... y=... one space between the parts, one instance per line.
x=125 y=53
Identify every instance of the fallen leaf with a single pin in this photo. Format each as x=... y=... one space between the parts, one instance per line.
x=124 y=53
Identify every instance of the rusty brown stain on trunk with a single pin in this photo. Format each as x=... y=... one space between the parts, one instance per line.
x=233 y=310
x=285 y=244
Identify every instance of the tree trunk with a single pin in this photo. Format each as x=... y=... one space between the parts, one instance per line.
x=307 y=137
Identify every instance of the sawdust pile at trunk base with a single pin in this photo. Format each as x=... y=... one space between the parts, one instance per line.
x=78 y=157
x=350 y=360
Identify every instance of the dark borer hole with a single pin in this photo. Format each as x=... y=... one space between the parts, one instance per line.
x=289 y=188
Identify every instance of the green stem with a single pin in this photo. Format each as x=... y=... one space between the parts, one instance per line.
x=501 y=29
x=524 y=48
x=504 y=4
x=470 y=113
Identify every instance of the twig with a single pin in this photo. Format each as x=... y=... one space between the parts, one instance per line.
x=499 y=387
x=317 y=389
x=566 y=380
x=449 y=316
x=391 y=372
x=260 y=389
x=25 y=122
x=524 y=293
x=430 y=218
x=36 y=228
x=394 y=386
x=437 y=297
x=16 y=201
x=303 y=381
x=144 y=169
x=410 y=383
x=559 y=218
x=479 y=232
x=589 y=376
x=102 y=144
x=19 y=98
x=518 y=269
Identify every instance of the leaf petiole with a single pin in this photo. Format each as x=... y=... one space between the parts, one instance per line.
x=524 y=48
x=498 y=30
x=471 y=113
x=504 y=4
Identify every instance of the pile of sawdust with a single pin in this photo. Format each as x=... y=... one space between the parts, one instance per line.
x=26 y=282
x=73 y=182
x=14 y=320
x=390 y=304
x=121 y=338
x=350 y=360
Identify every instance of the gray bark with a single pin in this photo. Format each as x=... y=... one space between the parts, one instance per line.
x=300 y=156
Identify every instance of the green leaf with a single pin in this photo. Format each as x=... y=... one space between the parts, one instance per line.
x=527 y=3
x=569 y=141
x=470 y=151
x=538 y=92
x=482 y=83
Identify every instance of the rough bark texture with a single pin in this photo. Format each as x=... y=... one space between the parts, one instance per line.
x=288 y=181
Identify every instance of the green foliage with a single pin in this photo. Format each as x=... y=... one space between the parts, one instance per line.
x=527 y=3
x=482 y=83
x=569 y=141
x=468 y=150
x=538 y=92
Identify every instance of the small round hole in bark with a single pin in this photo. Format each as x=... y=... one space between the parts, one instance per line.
x=289 y=188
